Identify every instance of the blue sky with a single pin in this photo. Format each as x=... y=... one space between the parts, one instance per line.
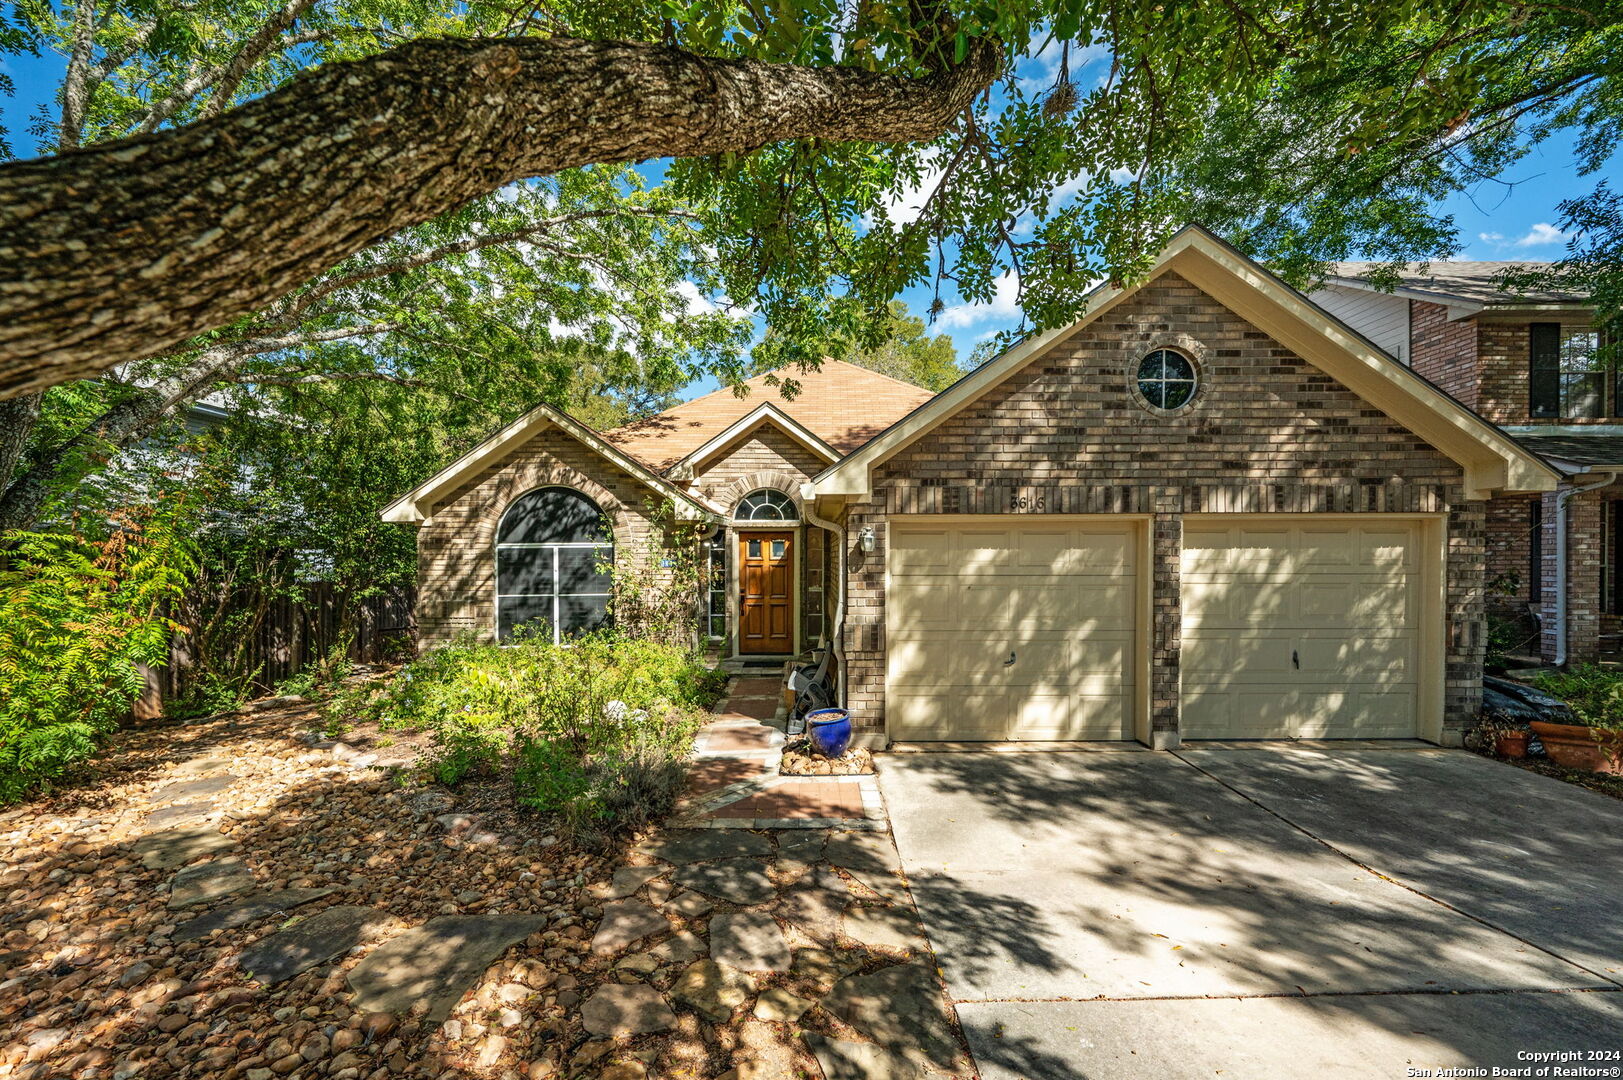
x=1496 y=220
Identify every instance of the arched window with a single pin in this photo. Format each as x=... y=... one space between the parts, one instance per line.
x=766 y=505
x=552 y=548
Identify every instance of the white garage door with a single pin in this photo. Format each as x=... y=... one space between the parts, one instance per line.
x=1299 y=630
x=1009 y=630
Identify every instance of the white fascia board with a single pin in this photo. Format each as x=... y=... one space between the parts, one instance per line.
x=418 y=505
x=766 y=412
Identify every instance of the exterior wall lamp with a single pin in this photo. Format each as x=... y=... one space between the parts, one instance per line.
x=865 y=540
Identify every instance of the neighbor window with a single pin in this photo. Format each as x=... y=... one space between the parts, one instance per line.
x=553 y=550
x=766 y=505
x=1567 y=379
x=1166 y=379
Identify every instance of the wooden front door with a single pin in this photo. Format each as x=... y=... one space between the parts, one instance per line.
x=766 y=604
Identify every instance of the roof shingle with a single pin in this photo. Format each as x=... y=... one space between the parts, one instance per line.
x=840 y=403
x=1476 y=282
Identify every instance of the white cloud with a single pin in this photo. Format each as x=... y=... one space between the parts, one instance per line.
x=902 y=207
x=697 y=302
x=1123 y=176
x=1541 y=234
x=1004 y=305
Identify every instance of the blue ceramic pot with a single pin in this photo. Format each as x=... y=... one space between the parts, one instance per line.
x=829 y=731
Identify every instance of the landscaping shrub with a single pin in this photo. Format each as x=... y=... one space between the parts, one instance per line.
x=77 y=618
x=1594 y=693
x=593 y=730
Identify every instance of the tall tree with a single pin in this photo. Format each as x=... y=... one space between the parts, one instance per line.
x=905 y=351
x=787 y=126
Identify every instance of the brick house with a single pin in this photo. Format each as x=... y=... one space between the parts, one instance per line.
x=1206 y=510
x=1527 y=362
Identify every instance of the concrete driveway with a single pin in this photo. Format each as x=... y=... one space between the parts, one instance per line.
x=1272 y=912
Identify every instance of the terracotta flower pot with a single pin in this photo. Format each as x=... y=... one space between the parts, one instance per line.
x=1579 y=747
x=1512 y=744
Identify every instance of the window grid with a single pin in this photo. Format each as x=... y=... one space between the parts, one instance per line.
x=1567 y=379
x=717 y=611
x=1166 y=379
x=766 y=505
x=562 y=518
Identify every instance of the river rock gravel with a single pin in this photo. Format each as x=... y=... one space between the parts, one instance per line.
x=309 y=857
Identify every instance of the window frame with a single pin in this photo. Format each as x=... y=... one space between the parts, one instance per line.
x=556 y=548
x=772 y=499
x=1553 y=375
x=1160 y=407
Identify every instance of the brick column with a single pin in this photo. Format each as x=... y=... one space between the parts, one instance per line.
x=1166 y=631
x=1466 y=638
x=1546 y=610
x=1585 y=550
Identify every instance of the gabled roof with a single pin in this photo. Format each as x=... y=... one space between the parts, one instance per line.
x=1471 y=283
x=840 y=404
x=420 y=503
x=1491 y=459
x=766 y=412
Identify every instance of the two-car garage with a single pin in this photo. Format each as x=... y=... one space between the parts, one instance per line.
x=1290 y=626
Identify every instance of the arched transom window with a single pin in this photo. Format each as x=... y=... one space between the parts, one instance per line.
x=552 y=549
x=766 y=505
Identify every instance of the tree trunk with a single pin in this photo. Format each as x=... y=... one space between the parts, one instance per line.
x=127 y=249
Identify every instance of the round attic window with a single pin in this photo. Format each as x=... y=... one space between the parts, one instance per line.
x=1167 y=380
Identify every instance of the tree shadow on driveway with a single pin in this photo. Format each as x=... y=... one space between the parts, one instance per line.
x=1136 y=876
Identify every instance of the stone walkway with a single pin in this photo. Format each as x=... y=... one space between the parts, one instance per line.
x=735 y=784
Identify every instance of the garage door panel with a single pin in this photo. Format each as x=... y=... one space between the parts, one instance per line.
x=1299 y=631
x=945 y=660
x=913 y=715
x=1070 y=717
x=1072 y=605
x=1060 y=596
x=1219 y=654
x=1236 y=602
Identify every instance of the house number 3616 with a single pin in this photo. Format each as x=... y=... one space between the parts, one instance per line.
x=1027 y=502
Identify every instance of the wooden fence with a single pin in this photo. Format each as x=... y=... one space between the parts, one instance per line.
x=293 y=636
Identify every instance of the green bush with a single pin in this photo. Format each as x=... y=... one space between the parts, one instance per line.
x=77 y=618
x=593 y=730
x=1595 y=693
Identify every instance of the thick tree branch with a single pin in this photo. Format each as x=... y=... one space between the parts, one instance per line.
x=133 y=247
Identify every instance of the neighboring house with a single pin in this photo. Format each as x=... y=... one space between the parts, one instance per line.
x=1528 y=362
x=1205 y=510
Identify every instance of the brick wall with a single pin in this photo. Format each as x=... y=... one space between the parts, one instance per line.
x=1587 y=543
x=766 y=449
x=1503 y=352
x=1509 y=549
x=1445 y=352
x=1268 y=434
x=456 y=554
